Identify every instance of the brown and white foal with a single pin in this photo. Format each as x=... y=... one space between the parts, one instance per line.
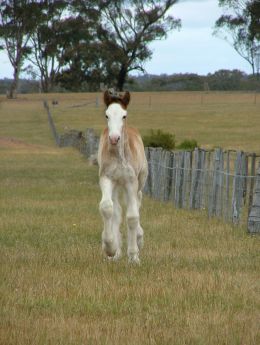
x=122 y=165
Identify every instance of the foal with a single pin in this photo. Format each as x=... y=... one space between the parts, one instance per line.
x=122 y=165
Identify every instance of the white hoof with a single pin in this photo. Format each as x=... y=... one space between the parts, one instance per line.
x=109 y=247
x=117 y=255
x=134 y=259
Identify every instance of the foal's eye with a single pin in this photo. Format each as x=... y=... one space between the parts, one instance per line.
x=106 y=117
x=124 y=117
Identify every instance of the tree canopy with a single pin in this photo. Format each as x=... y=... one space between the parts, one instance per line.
x=79 y=42
x=17 y=22
x=240 y=26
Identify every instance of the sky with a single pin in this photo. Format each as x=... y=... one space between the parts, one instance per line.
x=192 y=49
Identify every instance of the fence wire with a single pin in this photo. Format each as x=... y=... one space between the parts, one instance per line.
x=219 y=182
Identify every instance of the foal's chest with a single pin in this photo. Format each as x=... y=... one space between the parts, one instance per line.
x=121 y=172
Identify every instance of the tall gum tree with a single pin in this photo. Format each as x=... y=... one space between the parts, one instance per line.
x=240 y=26
x=127 y=29
x=47 y=43
x=123 y=31
x=17 y=22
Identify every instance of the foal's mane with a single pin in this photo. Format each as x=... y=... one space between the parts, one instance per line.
x=111 y=96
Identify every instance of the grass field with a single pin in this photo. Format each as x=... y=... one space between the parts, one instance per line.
x=198 y=282
x=228 y=120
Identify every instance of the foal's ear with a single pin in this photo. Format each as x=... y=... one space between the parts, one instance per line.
x=126 y=98
x=107 y=98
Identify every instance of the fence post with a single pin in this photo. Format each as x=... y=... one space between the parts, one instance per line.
x=147 y=187
x=97 y=102
x=215 y=199
x=187 y=178
x=197 y=176
x=237 y=196
x=174 y=172
x=179 y=179
x=150 y=101
x=226 y=203
x=208 y=179
x=253 y=224
x=92 y=142
x=153 y=170
x=159 y=185
x=51 y=123
x=166 y=175
x=251 y=188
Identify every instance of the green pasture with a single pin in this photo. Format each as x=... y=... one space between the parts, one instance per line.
x=198 y=282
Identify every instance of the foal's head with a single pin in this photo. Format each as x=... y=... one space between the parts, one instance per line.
x=116 y=114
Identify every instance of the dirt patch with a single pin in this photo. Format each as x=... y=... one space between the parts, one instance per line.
x=20 y=146
x=15 y=143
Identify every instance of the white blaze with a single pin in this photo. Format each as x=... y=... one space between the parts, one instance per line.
x=115 y=120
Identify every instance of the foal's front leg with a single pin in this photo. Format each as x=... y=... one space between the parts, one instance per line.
x=109 y=241
x=132 y=219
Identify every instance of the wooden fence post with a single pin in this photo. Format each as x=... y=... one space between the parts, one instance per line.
x=197 y=178
x=51 y=123
x=187 y=178
x=166 y=175
x=226 y=202
x=208 y=179
x=147 y=186
x=153 y=171
x=238 y=188
x=251 y=187
x=92 y=142
x=174 y=172
x=179 y=179
x=158 y=186
x=253 y=224
x=217 y=185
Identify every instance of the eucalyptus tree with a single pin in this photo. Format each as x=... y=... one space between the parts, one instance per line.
x=240 y=26
x=17 y=22
x=81 y=57
x=117 y=39
x=46 y=41
x=127 y=28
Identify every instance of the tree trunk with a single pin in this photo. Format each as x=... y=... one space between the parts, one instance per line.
x=121 y=79
x=13 y=89
x=44 y=83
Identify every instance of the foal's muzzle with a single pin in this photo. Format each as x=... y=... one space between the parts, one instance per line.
x=114 y=139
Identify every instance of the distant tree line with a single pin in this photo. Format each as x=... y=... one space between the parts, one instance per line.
x=222 y=80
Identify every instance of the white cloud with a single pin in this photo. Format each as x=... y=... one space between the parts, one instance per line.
x=194 y=48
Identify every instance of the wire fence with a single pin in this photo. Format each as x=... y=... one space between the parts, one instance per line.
x=226 y=184
x=220 y=182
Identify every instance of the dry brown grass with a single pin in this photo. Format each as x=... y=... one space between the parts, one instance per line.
x=198 y=282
